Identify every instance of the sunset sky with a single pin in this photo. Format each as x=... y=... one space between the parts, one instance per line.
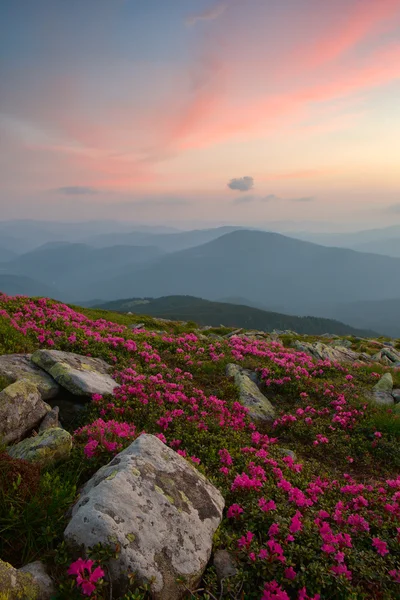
x=145 y=110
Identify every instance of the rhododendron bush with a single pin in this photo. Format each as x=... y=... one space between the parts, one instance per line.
x=312 y=499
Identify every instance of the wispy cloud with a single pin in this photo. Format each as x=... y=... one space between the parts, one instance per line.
x=271 y=198
x=243 y=184
x=76 y=190
x=244 y=199
x=208 y=15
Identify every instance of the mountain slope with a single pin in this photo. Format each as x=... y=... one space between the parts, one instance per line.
x=204 y=312
x=72 y=267
x=26 y=286
x=389 y=247
x=267 y=268
x=170 y=242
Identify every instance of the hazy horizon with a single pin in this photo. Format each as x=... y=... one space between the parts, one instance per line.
x=198 y=113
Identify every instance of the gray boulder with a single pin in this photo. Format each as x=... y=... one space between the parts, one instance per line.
x=20 y=584
x=50 y=420
x=385 y=384
x=41 y=579
x=160 y=510
x=81 y=375
x=383 y=398
x=260 y=408
x=321 y=351
x=396 y=395
x=21 y=410
x=224 y=564
x=44 y=449
x=14 y=367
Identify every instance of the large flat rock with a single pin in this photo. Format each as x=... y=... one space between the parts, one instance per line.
x=80 y=375
x=158 y=508
x=260 y=408
x=14 y=367
x=21 y=410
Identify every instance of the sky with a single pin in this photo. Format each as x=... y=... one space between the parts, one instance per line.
x=199 y=111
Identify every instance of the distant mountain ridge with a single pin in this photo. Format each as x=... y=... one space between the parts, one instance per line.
x=205 y=312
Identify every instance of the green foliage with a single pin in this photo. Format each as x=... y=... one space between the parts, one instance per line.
x=204 y=312
x=13 y=341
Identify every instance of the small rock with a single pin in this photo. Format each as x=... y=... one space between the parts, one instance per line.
x=385 y=384
x=233 y=333
x=46 y=448
x=50 y=420
x=81 y=375
x=224 y=565
x=41 y=578
x=260 y=408
x=21 y=410
x=383 y=398
x=158 y=508
x=17 y=585
x=287 y=452
x=14 y=367
x=137 y=326
x=396 y=395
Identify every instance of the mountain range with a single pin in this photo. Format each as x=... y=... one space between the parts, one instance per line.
x=259 y=269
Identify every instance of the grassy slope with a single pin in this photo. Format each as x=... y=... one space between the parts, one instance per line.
x=205 y=312
x=31 y=526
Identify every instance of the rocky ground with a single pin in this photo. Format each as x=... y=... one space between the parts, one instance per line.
x=203 y=463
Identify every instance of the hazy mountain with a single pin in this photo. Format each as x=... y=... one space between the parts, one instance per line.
x=379 y=315
x=204 y=312
x=353 y=240
x=171 y=242
x=26 y=286
x=25 y=235
x=389 y=247
x=72 y=267
x=6 y=254
x=268 y=268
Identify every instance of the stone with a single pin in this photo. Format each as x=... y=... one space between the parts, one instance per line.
x=383 y=398
x=17 y=585
x=341 y=343
x=287 y=452
x=396 y=395
x=14 y=367
x=44 y=449
x=233 y=333
x=137 y=326
x=320 y=351
x=260 y=408
x=224 y=565
x=385 y=384
x=50 y=420
x=21 y=410
x=158 y=508
x=41 y=578
x=81 y=375
x=392 y=354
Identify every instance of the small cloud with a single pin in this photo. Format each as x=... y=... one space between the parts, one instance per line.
x=243 y=184
x=270 y=198
x=76 y=190
x=244 y=199
x=302 y=199
x=208 y=15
